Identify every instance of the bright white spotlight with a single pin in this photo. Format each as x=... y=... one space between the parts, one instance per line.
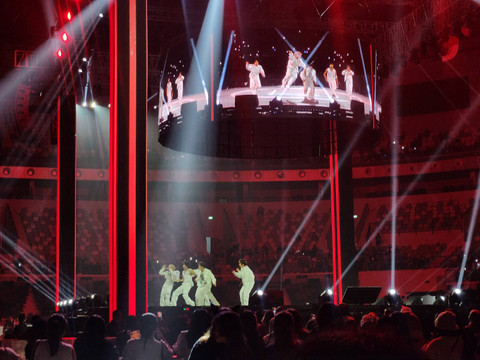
x=80 y=71
x=329 y=292
x=58 y=304
x=457 y=291
x=84 y=59
x=100 y=15
x=442 y=298
x=92 y=296
x=109 y=106
x=260 y=292
x=392 y=292
x=93 y=104
x=84 y=104
x=70 y=301
x=279 y=98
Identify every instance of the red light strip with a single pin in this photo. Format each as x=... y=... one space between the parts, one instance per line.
x=132 y=175
x=57 y=240
x=113 y=161
x=75 y=213
x=212 y=96
x=372 y=91
x=334 y=226
x=339 y=255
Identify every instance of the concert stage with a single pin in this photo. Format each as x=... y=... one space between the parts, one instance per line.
x=292 y=96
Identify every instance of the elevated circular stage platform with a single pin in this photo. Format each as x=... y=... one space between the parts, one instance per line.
x=276 y=123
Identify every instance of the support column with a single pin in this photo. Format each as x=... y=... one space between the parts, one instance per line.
x=341 y=194
x=128 y=156
x=66 y=199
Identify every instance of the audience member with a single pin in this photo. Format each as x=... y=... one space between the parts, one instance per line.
x=126 y=334
x=448 y=345
x=7 y=353
x=285 y=345
x=224 y=341
x=147 y=347
x=92 y=345
x=250 y=329
x=199 y=324
x=21 y=328
x=53 y=348
x=37 y=332
x=471 y=336
x=116 y=326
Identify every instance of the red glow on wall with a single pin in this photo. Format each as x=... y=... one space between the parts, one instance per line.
x=339 y=254
x=334 y=227
x=57 y=238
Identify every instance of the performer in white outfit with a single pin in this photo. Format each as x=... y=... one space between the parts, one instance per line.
x=169 y=91
x=255 y=71
x=248 y=280
x=170 y=276
x=294 y=62
x=179 y=83
x=184 y=289
x=330 y=75
x=205 y=279
x=348 y=77
x=309 y=77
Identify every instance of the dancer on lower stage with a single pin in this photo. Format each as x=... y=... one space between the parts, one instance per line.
x=330 y=75
x=348 y=77
x=309 y=77
x=179 y=83
x=184 y=289
x=294 y=62
x=170 y=276
x=169 y=91
x=255 y=71
x=248 y=280
x=205 y=279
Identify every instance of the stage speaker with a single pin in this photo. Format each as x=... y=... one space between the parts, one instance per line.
x=360 y=295
x=358 y=109
x=189 y=110
x=245 y=103
x=271 y=298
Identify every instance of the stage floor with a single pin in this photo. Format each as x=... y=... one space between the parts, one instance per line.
x=292 y=96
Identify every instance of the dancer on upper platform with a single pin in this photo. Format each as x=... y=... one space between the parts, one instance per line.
x=170 y=276
x=255 y=71
x=248 y=280
x=348 y=77
x=330 y=75
x=169 y=91
x=179 y=83
x=184 y=289
x=309 y=77
x=294 y=62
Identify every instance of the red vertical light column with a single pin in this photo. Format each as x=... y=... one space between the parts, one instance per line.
x=112 y=209
x=334 y=226
x=373 y=85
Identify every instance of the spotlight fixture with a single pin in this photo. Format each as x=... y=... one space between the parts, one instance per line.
x=6 y=171
x=69 y=15
x=59 y=53
x=236 y=175
x=455 y=299
x=326 y=297
x=280 y=174
x=393 y=299
x=84 y=59
x=258 y=175
x=276 y=104
x=80 y=71
x=84 y=104
x=93 y=104
x=65 y=37
x=260 y=292
x=31 y=172
x=302 y=174
x=100 y=15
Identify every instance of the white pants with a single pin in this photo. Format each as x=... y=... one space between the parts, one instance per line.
x=290 y=77
x=203 y=296
x=165 y=294
x=349 y=84
x=180 y=92
x=184 y=289
x=309 y=89
x=245 y=293
x=255 y=83
x=333 y=86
